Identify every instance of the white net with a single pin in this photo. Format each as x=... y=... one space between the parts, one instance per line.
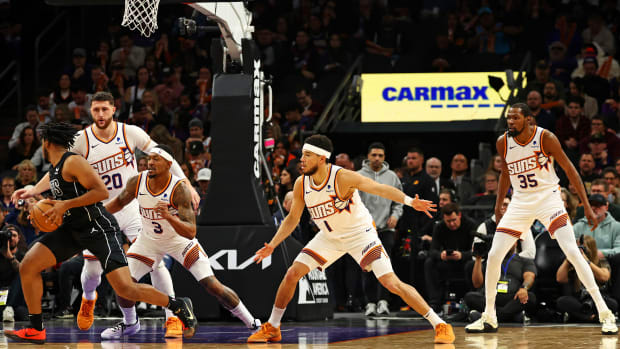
x=141 y=15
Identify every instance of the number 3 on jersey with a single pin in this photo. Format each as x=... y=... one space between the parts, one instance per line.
x=157 y=228
x=527 y=181
x=115 y=179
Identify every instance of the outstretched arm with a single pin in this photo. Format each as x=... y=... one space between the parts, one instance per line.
x=552 y=147
x=185 y=223
x=288 y=224
x=41 y=186
x=125 y=197
x=348 y=179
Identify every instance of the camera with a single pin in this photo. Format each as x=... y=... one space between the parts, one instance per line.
x=20 y=204
x=187 y=27
x=5 y=235
x=481 y=249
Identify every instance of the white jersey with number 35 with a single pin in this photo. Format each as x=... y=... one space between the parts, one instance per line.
x=154 y=226
x=529 y=166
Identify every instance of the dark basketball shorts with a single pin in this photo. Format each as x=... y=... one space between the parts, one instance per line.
x=102 y=237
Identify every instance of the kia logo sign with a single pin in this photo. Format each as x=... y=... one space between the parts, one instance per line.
x=231 y=261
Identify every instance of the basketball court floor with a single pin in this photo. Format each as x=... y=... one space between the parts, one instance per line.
x=345 y=331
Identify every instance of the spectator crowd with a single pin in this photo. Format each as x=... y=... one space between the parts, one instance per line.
x=164 y=85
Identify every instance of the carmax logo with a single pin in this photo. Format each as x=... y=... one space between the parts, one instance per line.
x=439 y=93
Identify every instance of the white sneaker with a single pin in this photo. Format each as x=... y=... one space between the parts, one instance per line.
x=485 y=324
x=119 y=330
x=371 y=309
x=608 y=320
x=8 y=315
x=383 y=308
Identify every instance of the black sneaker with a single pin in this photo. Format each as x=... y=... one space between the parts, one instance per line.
x=185 y=313
x=65 y=314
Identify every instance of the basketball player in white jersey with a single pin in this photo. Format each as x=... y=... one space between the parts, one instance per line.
x=528 y=153
x=331 y=195
x=169 y=224
x=109 y=147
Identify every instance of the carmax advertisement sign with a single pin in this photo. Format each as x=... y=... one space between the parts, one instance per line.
x=431 y=97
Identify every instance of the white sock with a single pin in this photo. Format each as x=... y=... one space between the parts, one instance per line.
x=241 y=312
x=276 y=316
x=566 y=240
x=161 y=280
x=129 y=315
x=433 y=318
x=90 y=277
x=502 y=243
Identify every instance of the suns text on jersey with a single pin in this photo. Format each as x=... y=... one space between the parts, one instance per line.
x=110 y=163
x=322 y=210
x=523 y=165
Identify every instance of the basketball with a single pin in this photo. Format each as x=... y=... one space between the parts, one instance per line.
x=39 y=220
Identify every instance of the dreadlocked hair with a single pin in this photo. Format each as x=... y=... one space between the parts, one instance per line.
x=59 y=133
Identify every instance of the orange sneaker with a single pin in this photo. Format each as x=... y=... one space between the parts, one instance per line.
x=444 y=334
x=266 y=333
x=30 y=335
x=86 y=315
x=174 y=328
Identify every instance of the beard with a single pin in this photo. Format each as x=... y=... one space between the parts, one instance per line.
x=311 y=171
x=515 y=132
x=105 y=125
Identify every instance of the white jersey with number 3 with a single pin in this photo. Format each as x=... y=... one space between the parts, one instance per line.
x=529 y=166
x=337 y=216
x=154 y=226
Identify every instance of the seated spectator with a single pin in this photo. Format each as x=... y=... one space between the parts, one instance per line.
x=183 y=115
x=27 y=145
x=80 y=105
x=160 y=135
x=189 y=172
x=26 y=174
x=343 y=160
x=196 y=133
x=586 y=170
x=39 y=161
x=79 y=70
x=513 y=289
x=613 y=180
x=486 y=198
x=143 y=164
x=433 y=169
x=134 y=92
x=572 y=127
x=460 y=178
x=7 y=206
x=197 y=156
x=304 y=56
x=288 y=176
x=61 y=113
x=203 y=178
x=562 y=63
x=160 y=113
x=336 y=58
x=280 y=158
x=593 y=84
x=19 y=218
x=11 y=254
x=450 y=249
x=62 y=93
x=45 y=108
x=312 y=109
x=599 y=133
x=598 y=32
x=32 y=121
x=130 y=56
x=552 y=100
x=541 y=117
x=423 y=238
x=570 y=204
x=590 y=105
x=577 y=302
x=601 y=187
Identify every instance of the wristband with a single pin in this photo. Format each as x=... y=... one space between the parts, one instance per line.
x=408 y=200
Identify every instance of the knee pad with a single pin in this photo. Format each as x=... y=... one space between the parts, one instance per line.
x=91 y=270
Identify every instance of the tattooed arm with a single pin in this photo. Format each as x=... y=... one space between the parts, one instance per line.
x=185 y=222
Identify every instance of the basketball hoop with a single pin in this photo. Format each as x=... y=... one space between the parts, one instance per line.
x=141 y=15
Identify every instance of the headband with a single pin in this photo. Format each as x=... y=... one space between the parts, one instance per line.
x=316 y=150
x=164 y=154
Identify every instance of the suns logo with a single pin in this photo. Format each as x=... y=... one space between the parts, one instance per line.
x=543 y=160
x=342 y=205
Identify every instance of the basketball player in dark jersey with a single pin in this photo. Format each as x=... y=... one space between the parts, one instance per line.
x=84 y=224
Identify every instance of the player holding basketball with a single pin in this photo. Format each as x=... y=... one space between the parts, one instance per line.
x=331 y=195
x=528 y=153
x=84 y=224
x=109 y=147
x=170 y=228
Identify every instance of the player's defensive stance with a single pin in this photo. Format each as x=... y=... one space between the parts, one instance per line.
x=84 y=224
x=331 y=195
x=169 y=228
x=528 y=153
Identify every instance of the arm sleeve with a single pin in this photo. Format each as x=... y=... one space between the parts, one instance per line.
x=145 y=143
